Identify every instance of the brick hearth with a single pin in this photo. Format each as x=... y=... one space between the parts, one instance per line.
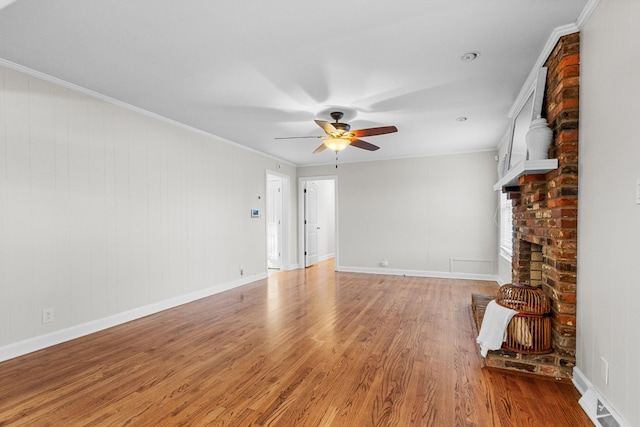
x=545 y=210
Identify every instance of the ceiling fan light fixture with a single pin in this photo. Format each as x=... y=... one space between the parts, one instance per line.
x=337 y=144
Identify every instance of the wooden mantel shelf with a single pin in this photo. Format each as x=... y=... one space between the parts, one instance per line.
x=527 y=167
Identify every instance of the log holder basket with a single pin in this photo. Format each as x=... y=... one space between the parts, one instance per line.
x=529 y=331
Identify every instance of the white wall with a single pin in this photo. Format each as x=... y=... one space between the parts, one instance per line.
x=104 y=210
x=417 y=213
x=609 y=217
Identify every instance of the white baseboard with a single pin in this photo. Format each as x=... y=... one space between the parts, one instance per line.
x=326 y=257
x=30 y=345
x=599 y=410
x=419 y=273
x=580 y=381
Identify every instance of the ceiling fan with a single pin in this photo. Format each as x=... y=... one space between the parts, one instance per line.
x=339 y=135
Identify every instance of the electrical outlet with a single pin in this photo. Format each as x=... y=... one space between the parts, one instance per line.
x=604 y=370
x=241 y=271
x=47 y=315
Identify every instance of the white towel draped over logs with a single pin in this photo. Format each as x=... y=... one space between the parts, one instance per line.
x=493 y=331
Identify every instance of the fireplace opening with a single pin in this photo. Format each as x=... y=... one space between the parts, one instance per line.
x=528 y=265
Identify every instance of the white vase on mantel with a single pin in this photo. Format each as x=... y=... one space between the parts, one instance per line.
x=538 y=139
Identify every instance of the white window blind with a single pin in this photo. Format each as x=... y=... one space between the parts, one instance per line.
x=506 y=226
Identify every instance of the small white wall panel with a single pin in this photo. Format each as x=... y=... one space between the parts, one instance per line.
x=42 y=183
x=472 y=266
x=19 y=210
x=155 y=153
x=5 y=315
x=196 y=194
x=111 y=245
x=81 y=244
x=138 y=214
x=98 y=214
x=62 y=210
x=176 y=211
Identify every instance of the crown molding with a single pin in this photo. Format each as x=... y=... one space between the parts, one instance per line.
x=586 y=13
x=5 y=3
x=124 y=105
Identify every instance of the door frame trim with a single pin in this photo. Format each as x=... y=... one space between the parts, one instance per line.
x=301 y=184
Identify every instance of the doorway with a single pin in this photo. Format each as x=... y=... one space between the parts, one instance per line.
x=277 y=220
x=318 y=225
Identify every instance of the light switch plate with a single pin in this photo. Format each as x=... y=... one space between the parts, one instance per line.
x=604 y=370
x=638 y=192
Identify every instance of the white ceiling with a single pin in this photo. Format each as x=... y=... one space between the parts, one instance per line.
x=252 y=70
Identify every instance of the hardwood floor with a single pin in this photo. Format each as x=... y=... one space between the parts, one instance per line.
x=304 y=348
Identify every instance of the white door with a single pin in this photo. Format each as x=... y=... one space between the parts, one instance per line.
x=310 y=224
x=274 y=222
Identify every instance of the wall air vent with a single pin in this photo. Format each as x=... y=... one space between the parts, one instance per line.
x=600 y=412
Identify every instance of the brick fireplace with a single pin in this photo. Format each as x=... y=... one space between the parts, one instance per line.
x=545 y=209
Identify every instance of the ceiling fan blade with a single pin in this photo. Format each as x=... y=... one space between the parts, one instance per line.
x=299 y=137
x=326 y=126
x=364 y=145
x=320 y=148
x=374 y=131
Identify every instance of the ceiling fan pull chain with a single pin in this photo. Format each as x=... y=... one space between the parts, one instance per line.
x=336 y=160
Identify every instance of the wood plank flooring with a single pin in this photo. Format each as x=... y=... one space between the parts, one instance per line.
x=304 y=348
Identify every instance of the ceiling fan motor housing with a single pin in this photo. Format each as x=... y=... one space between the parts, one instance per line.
x=337 y=115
